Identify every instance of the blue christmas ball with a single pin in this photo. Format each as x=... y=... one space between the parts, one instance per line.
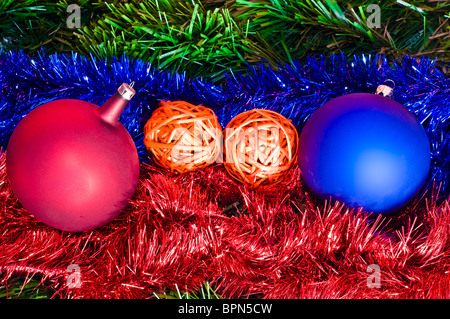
x=365 y=150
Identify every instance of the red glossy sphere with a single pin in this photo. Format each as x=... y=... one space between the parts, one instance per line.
x=69 y=167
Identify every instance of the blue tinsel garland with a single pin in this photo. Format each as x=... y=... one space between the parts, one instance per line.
x=295 y=90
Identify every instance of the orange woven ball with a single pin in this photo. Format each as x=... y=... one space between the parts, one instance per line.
x=183 y=137
x=260 y=147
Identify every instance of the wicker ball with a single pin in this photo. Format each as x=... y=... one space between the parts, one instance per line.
x=260 y=147
x=183 y=137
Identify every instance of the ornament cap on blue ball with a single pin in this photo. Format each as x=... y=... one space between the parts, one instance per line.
x=366 y=150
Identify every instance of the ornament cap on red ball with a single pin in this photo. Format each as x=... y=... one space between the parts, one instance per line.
x=72 y=164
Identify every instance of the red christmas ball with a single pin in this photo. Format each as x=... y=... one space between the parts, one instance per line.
x=72 y=164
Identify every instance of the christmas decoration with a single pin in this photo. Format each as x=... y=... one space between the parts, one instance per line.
x=225 y=35
x=366 y=150
x=73 y=165
x=175 y=236
x=181 y=230
x=183 y=137
x=260 y=147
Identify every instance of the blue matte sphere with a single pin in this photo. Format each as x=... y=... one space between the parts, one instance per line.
x=365 y=150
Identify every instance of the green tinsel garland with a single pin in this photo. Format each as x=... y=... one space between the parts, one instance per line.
x=205 y=38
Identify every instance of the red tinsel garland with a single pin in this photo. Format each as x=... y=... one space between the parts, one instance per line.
x=182 y=230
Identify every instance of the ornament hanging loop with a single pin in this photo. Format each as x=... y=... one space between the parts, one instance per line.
x=386 y=89
x=127 y=91
x=114 y=106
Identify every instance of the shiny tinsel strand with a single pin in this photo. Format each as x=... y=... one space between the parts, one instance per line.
x=295 y=90
x=175 y=233
x=183 y=230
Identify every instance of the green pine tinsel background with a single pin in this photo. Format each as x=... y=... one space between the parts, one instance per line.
x=206 y=38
